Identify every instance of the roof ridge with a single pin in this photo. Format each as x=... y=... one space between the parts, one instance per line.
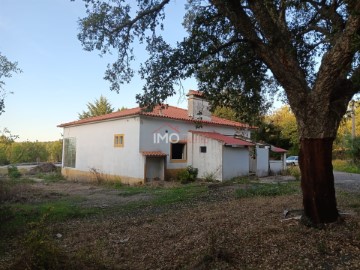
x=169 y=111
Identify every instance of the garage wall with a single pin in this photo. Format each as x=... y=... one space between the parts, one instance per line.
x=235 y=162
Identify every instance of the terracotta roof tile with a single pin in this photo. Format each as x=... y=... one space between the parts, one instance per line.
x=153 y=154
x=277 y=149
x=165 y=111
x=227 y=140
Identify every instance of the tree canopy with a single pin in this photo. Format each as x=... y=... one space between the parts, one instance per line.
x=100 y=106
x=7 y=69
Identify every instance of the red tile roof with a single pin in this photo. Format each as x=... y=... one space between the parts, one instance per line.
x=227 y=140
x=153 y=154
x=165 y=111
x=277 y=149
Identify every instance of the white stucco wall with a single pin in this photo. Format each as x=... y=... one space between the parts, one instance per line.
x=262 y=161
x=150 y=126
x=95 y=147
x=276 y=166
x=209 y=163
x=235 y=162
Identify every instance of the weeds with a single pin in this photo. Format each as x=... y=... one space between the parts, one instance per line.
x=13 y=172
x=187 y=175
x=51 y=177
x=345 y=166
x=293 y=171
x=40 y=251
x=99 y=177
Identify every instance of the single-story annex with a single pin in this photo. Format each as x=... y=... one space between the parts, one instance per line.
x=135 y=146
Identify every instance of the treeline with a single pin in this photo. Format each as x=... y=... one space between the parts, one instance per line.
x=23 y=152
x=279 y=128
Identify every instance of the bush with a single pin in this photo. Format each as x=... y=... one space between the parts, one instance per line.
x=187 y=175
x=13 y=172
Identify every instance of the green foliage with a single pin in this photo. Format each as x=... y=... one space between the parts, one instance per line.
x=209 y=177
x=293 y=171
x=54 y=150
x=165 y=196
x=6 y=140
x=101 y=106
x=226 y=113
x=265 y=190
x=7 y=68
x=345 y=166
x=279 y=128
x=343 y=137
x=40 y=250
x=28 y=152
x=22 y=152
x=187 y=175
x=13 y=172
x=354 y=149
x=51 y=177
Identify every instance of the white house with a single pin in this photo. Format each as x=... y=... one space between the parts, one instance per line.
x=136 y=146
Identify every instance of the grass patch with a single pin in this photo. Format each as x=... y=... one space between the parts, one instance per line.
x=161 y=196
x=51 y=177
x=349 y=200
x=15 y=217
x=164 y=196
x=345 y=166
x=265 y=190
x=241 y=180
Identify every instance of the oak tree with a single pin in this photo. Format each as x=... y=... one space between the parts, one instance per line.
x=237 y=49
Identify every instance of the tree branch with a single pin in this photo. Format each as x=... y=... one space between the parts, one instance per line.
x=129 y=24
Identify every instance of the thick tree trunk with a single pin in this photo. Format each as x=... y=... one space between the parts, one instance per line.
x=317 y=180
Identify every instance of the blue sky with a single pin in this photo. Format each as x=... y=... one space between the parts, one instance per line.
x=59 y=78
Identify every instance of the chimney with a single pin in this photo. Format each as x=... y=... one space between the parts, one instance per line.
x=198 y=107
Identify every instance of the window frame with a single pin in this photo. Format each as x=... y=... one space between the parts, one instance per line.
x=184 y=159
x=119 y=140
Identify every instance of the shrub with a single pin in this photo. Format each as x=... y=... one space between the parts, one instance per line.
x=13 y=172
x=187 y=175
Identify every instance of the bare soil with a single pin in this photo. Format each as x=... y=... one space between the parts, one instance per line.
x=216 y=231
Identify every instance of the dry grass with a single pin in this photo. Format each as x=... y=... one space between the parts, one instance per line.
x=205 y=232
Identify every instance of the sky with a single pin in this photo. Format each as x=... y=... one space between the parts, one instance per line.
x=59 y=78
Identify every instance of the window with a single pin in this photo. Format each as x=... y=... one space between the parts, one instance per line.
x=202 y=149
x=69 y=152
x=119 y=140
x=178 y=152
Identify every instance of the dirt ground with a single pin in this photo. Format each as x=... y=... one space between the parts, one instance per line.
x=215 y=231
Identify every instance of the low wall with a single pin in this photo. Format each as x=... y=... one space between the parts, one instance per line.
x=276 y=166
x=77 y=175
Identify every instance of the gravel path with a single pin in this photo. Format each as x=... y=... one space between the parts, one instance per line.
x=347 y=181
x=343 y=180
